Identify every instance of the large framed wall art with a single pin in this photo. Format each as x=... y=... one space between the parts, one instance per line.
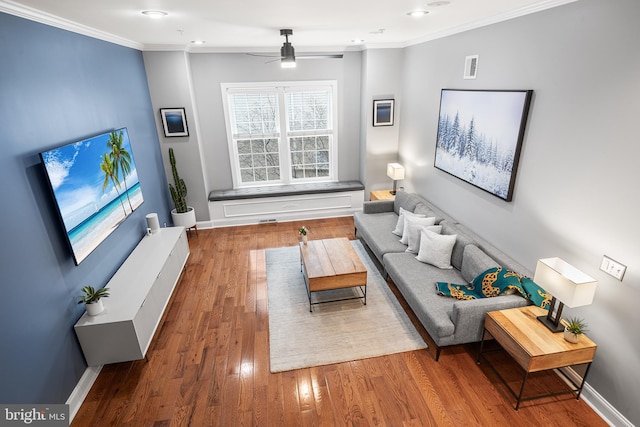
x=480 y=135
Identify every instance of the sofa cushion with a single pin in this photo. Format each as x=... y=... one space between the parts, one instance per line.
x=475 y=262
x=398 y=231
x=375 y=231
x=409 y=201
x=412 y=225
x=435 y=249
x=416 y=282
x=461 y=241
x=414 y=237
x=424 y=209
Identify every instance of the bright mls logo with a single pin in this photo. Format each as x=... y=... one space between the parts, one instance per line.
x=38 y=415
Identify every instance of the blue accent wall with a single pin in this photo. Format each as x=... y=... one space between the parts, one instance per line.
x=57 y=87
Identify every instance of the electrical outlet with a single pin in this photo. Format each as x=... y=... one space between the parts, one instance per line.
x=612 y=267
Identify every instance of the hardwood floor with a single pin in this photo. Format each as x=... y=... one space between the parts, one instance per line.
x=209 y=362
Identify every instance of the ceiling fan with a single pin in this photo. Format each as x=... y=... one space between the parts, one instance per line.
x=288 y=56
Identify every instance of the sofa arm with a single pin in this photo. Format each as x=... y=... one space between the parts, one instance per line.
x=377 y=206
x=468 y=316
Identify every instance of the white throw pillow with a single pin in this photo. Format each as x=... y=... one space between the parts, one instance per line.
x=436 y=249
x=400 y=224
x=412 y=225
x=414 y=236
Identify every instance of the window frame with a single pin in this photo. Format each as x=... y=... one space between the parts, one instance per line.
x=284 y=133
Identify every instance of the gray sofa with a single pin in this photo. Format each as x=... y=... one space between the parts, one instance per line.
x=447 y=320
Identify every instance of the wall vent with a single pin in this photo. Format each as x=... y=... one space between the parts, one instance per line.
x=268 y=221
x=471 y=67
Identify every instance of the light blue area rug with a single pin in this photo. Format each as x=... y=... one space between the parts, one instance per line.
x=335 y=332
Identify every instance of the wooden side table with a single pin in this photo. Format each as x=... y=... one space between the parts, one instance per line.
x=535 y=348
x=381 y=195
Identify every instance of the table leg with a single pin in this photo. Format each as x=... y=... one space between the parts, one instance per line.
x=584 y=378
x=524 y=381
x=481 y=347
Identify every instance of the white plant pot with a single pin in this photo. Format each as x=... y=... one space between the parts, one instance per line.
x=94 y=308
x=304 y=239
x=186 y=220
x=573 y=338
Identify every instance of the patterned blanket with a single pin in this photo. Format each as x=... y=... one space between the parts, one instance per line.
x=497 y=281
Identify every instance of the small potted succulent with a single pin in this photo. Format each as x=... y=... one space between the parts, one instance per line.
x=91 y=299
x=574 y=327
x=302 y=231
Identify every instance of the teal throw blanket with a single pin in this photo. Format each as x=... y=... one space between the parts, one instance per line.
x=497 y=281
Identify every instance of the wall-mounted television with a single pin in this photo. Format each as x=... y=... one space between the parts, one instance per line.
x=480 y=135
x=95 y=187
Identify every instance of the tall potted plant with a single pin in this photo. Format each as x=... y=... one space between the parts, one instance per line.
x=182 y=214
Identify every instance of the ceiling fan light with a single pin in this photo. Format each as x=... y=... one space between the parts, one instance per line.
x=287 y=52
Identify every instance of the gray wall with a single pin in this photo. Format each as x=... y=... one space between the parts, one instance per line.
x=381 y=70
x=193 y=80
x=575 y=195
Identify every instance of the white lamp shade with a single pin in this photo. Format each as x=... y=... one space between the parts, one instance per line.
x=395 y=171
x=565 y=282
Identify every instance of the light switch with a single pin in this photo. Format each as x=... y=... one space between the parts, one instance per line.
x=612 y=267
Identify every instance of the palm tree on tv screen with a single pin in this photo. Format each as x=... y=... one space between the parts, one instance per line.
x=120 y=159
x=107 y=166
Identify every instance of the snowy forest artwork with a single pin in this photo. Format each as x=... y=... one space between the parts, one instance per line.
x=480 y=133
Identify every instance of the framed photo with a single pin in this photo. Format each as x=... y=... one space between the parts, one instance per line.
x=480 y=135
x=383 y=112
x=174 y=122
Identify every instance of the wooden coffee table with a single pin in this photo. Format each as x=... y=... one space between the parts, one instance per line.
x=332 y=264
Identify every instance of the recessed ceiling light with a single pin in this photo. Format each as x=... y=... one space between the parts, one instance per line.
x=154 y=14
x=357 y=41
x=438 y=3
x=417 y=13
x=198 y=42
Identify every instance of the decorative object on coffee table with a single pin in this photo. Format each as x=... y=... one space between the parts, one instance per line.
x=302 y=231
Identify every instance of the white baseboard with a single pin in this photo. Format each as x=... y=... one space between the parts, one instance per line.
x=81 y=390
x=603 y=408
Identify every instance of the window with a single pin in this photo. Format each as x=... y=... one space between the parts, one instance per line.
x=261 y=153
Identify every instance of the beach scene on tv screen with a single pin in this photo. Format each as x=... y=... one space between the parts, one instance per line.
x=96 y=187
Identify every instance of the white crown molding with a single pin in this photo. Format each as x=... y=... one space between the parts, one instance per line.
x=55 y=21
x=527 y=10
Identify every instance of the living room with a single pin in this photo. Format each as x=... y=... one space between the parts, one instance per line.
x=575 y=166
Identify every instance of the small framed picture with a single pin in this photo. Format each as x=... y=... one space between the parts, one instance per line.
x=383 y=112
x=174 y=122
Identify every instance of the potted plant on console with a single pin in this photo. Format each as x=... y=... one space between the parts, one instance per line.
x=182 y=214
x=91 y=299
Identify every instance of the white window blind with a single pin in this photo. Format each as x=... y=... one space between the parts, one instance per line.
x=263 y=154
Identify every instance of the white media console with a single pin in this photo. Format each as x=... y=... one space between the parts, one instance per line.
x=139 y=293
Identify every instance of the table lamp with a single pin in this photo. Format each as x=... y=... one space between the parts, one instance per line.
x=395 y=171
x=568 y=286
